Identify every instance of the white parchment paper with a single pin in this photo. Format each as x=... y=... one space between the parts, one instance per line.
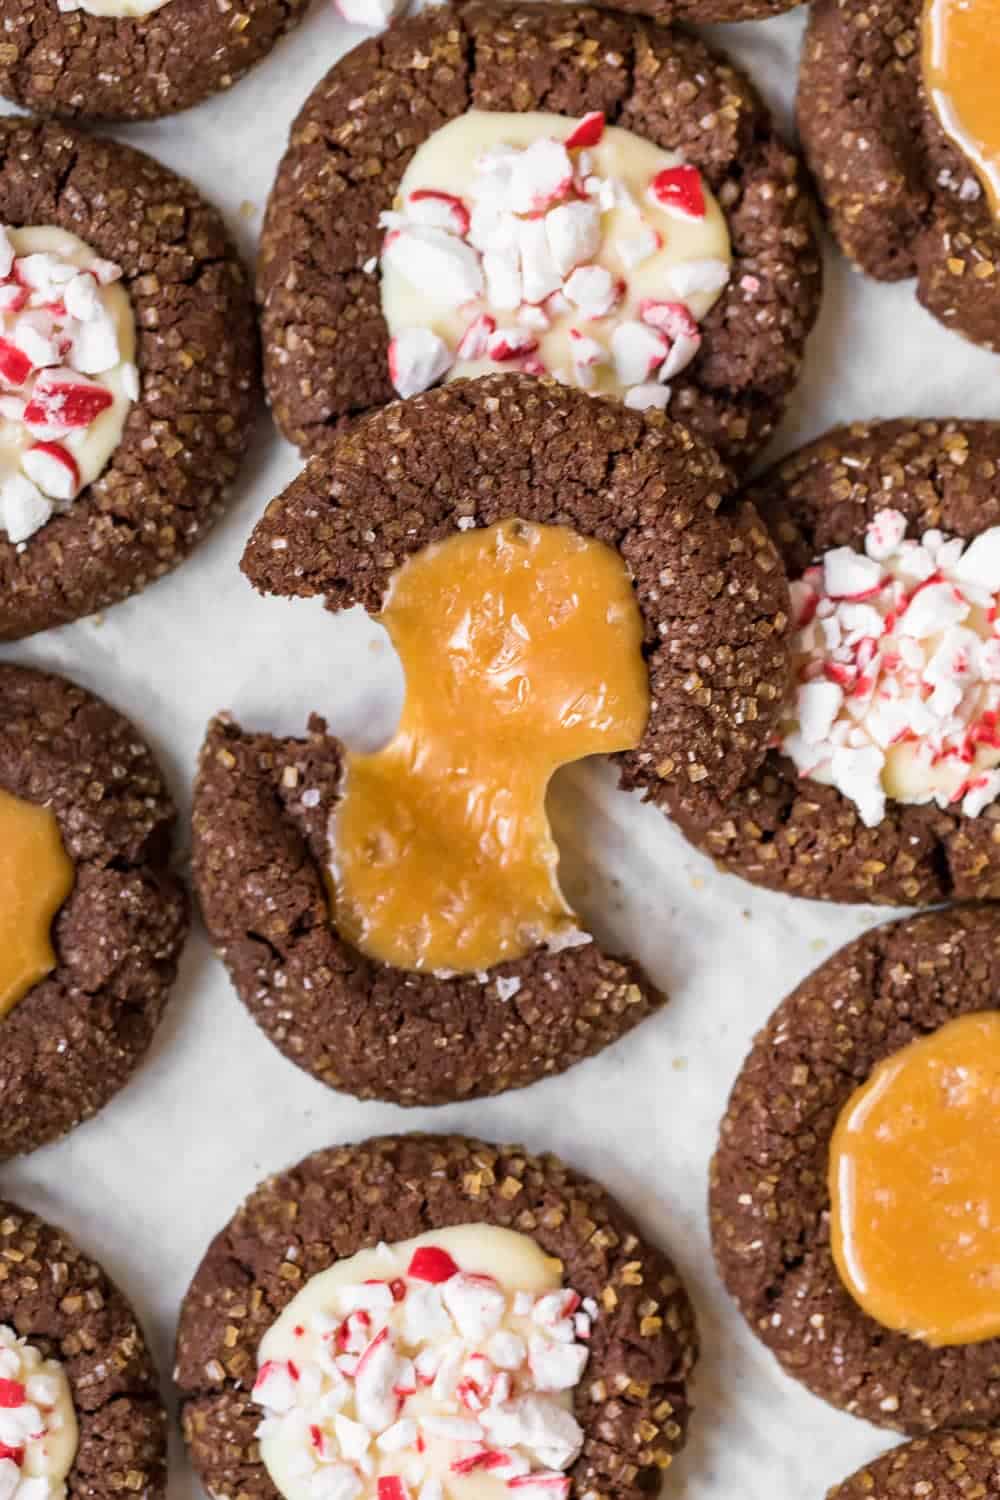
x=216 y=1108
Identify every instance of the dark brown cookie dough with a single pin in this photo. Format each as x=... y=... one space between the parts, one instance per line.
x=63 y=1303
x=84 y=67
x=632 y=1402
x=714 y=601
x=78 y=1036
x=169 y=477
x=892 y=182
x=325 y=340
x=799 y=836
x=947 y=1466
x=769 y=1201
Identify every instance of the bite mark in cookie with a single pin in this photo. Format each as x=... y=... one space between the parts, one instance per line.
x=713 y=605
x=536 y=243
x=318 y=285
x=629 y=1411
x=521 y=647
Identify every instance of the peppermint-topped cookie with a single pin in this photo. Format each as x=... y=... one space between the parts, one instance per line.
x=883 y=777
x=560 y=579
x=126 y=373
x=132 y=59
x=634 y=231
x=437 y=1318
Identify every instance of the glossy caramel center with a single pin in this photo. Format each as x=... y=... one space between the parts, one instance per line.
x=521 y=646
x=915 y=1186
x=36 y=876
x=961 y=58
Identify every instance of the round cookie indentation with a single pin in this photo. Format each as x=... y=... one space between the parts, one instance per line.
x=632 y=1403
x=800 y=836
x=169 y=476
x=714 y=608
x=77 y=1036
x=63 y=1304
x=70 y=61
x=317 y=295
x=903 y=200
x=770 y=1202
x=948 y=1466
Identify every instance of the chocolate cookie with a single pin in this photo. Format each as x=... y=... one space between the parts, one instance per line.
x=325 y=338
x=769 y=1200
x=903 y=200
x=713 y=600
x=63 y=60
x=77 y=1036
x=797 y=835
x=169 y=475
x=63 y=1304
x=948 y=1466
x=632 y=1403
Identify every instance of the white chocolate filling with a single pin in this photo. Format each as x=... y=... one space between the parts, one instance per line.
x=38 y=1430
x=116 y=10
x=896 y=682
x=66 y=327
x=377 y=1381
x=510 y=249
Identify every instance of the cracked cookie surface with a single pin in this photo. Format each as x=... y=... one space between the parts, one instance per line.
x=84 y=67
x=170 y=475
x=325 y=339
x=632 y=1402
x=76 y=1038
x=714 y=604
x=893 y=184
x=769 y=1202
x=61 y=1301
x=803 y=837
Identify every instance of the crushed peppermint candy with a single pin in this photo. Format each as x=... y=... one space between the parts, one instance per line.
x=63 y=322
x=897 y=670
x=38 y=1430
x=398 y=1386
x=550 y=246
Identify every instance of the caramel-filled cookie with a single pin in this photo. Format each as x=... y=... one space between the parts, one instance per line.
x=127 y=372
x=649 y=238
x=80 y=1389
x=708 y=606
x=774 y=1188
x=92 y=920
x=132 y=59
x=900 y=126
x=881 y=783
x=503 y=1284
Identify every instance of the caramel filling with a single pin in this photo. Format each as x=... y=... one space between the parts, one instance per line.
x=36 y=876
x=961 y=58
x=915 y=1186
x=521 y=646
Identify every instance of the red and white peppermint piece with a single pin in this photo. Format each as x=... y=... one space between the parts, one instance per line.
x=444 y=268
x=634 y=249
x=63 y=401
x=477 y=1304
x=638 y=352
x=6 y=254
x=23 y=507
x=884 y=534
x=375 y=1399
x=472 y=344
x=979 y=565
x=586 y=132
x=818 y=704
x=849 y=575
x=555 y=1366
x=510 y=343
x=933 y=609
x=593 y=291
x=373 y=14
x=690 y=276
x=502 y=269
x=539 y=274
x=13 y=297
x=650 y=395
x=541 y=175
x=443 y=210
x=54 y=469
x=678 y=191
x=418 y=359
x=573 y=231
x=15 y=365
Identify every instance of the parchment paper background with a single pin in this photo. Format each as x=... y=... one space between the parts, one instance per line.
x=216 y=1108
